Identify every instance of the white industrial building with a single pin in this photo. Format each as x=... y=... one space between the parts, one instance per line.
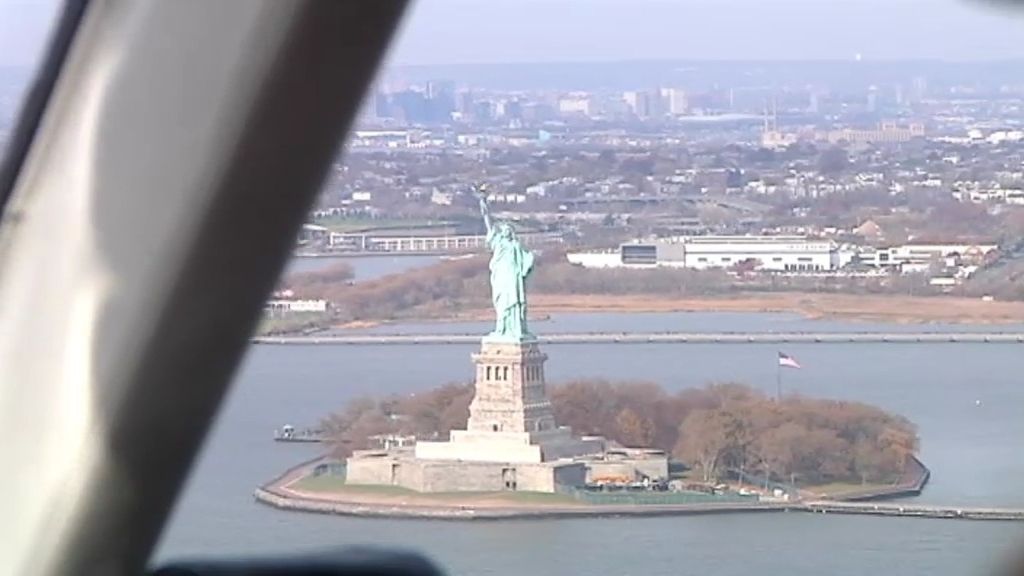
x=769 y=253
x=907 y=255
x=289 y=305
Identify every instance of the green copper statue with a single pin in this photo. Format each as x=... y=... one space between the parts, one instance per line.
x=511 y=264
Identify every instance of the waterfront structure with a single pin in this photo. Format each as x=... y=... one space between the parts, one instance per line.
x=511 y=441
x=907 y=256
x=768 y=253
x=676 y=101
x=384 y=243
x=293 y=305
x=886 y=133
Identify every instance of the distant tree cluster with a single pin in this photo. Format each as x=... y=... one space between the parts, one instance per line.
x=730 y=426
x=449 y=288
x=714 y=430
x=453 y=286
x=426 y=415
x=555 y=275
x=799 y=439
x=444 y=287
x=319 y=281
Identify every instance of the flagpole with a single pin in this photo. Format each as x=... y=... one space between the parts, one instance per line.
x=778 y=380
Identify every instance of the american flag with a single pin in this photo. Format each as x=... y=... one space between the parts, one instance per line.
x=787 y=361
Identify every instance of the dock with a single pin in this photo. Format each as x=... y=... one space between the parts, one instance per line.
x=288 y=433
x=913 y=510
x=338 y=339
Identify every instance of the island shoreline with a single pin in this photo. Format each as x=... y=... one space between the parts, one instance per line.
x=278 y=494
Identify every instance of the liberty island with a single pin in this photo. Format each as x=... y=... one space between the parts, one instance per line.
x=511 y=441
x=512 y=451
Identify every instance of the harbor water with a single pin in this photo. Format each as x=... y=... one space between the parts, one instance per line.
x=967 y=400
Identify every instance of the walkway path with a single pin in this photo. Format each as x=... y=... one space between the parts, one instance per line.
x=282 y=493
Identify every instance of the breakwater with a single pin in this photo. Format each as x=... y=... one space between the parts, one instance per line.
x=335 y=339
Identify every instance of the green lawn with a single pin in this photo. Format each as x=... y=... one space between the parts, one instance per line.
x=839 y=488
x=511 y=497
x=329 y=483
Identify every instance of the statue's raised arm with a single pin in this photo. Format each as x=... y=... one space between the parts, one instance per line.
x=485 y=210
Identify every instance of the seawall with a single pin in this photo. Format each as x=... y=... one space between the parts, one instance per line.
x=465 y=512
x=277 y=494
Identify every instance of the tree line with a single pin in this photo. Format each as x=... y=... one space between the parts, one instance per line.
x=449 y=288
x=715 y=431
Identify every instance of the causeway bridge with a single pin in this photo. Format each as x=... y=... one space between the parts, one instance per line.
x=339 y=339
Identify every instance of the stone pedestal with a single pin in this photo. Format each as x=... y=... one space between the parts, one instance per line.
x=510 y=393
x=511 y=441
x=510 y=418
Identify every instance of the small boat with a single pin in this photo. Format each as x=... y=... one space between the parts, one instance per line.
x=288 y=433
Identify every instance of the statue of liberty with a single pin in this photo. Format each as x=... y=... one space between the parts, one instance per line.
x=510 y=265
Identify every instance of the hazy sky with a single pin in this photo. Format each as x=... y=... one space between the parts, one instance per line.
x=23 y=28
x=463 y=31
x=456 y=31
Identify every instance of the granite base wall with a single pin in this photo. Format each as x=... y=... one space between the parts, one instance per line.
x=454 y=476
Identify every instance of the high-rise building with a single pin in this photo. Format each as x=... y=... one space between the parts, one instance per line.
x=575 y=104
x=410 y=106
x=676 y=102
x=440 y=95
x=464 y=103
x=639 y=103
x=513 y=109
x=630 y=98
x=382 y=104
x=483 y=110
x=439 y=88
x=658 y=106
x=537 y=112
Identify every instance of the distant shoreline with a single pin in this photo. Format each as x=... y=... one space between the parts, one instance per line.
x=280 y=493
x=880 y=308
x=815 y=306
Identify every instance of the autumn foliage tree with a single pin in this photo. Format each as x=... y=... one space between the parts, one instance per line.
x=714 y=430
x=427 y=415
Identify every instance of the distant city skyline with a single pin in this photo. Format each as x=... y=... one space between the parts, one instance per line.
x=446 y=32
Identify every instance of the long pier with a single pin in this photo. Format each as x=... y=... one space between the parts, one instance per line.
x=913 y=510
x=665 y=338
